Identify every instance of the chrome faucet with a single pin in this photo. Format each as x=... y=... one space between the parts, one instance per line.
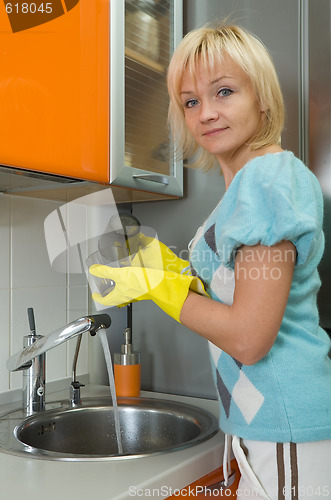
x=34 y=377
x=32 y=357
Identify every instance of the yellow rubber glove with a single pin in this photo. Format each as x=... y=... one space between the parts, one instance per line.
x=166 y=288
x=156 y=255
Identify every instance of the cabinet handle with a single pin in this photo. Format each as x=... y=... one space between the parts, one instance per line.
x=161 y=179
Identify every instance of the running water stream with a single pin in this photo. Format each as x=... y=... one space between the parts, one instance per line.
x=109 y=364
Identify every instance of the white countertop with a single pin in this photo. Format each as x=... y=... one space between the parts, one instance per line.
x=29 y=478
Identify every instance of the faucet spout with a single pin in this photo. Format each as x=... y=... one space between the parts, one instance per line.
x=23 y=359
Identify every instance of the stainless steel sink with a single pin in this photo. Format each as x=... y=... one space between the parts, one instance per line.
x=148 y=426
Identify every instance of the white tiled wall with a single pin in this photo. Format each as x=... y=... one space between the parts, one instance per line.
x=27 y=280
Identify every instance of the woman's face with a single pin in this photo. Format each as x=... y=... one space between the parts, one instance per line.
x=220 y=108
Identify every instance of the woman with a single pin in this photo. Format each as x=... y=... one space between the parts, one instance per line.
x=257 y=256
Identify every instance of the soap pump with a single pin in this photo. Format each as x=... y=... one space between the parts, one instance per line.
x=127 y=369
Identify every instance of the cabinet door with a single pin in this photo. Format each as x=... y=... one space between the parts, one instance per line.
x=139 y=56
x=72 y=96
x=54 y=86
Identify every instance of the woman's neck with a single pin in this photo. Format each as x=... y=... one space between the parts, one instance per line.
x=231 y=165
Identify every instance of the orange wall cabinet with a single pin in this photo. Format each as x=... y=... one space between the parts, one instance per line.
x=82 y=95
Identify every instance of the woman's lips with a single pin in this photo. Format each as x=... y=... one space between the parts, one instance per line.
x=214 y=131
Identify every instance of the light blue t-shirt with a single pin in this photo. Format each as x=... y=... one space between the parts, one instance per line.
x=286 y=396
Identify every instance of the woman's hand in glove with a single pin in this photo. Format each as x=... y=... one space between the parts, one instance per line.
x=167 y=289
x=154 y=254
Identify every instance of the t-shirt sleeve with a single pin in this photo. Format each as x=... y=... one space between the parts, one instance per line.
x=273 y=198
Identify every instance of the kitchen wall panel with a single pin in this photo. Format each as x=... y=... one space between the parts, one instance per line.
x=29 y=259
x=319 y=130
x=27 y=280
x=49 y=304
x=277 y=25
x=4 y=241
x=4 y=339
x=77 y=306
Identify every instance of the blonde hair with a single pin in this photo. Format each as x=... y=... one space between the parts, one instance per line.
x=207 y=46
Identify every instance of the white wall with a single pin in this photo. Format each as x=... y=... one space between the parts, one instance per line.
x=27 y=280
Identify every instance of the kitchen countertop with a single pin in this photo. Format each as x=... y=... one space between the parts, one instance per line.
x=28 y=478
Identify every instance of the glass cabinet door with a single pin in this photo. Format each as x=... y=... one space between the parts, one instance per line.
x=148 y=45
x=151 y=30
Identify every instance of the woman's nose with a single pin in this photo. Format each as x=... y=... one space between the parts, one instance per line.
x=208 y=111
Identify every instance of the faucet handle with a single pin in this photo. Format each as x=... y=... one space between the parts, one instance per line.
x=32 y=323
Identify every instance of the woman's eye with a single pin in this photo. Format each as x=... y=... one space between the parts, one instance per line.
x=190 y=103
x=225 y=92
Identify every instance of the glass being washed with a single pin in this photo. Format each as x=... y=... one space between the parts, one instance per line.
x=121 y=245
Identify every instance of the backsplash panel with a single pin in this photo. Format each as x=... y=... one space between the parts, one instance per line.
x=4 y=242
x=27 y=280
x=49 y=304
x=30 y=265
x=4 y=337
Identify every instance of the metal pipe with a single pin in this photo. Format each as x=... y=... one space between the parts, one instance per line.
x=75 y=384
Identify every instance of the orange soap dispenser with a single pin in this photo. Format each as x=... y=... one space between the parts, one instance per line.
x=127 y=369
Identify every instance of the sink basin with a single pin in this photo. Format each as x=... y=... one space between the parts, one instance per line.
x=148 y=426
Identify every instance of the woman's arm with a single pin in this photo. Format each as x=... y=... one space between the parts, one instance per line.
x=248 y=328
